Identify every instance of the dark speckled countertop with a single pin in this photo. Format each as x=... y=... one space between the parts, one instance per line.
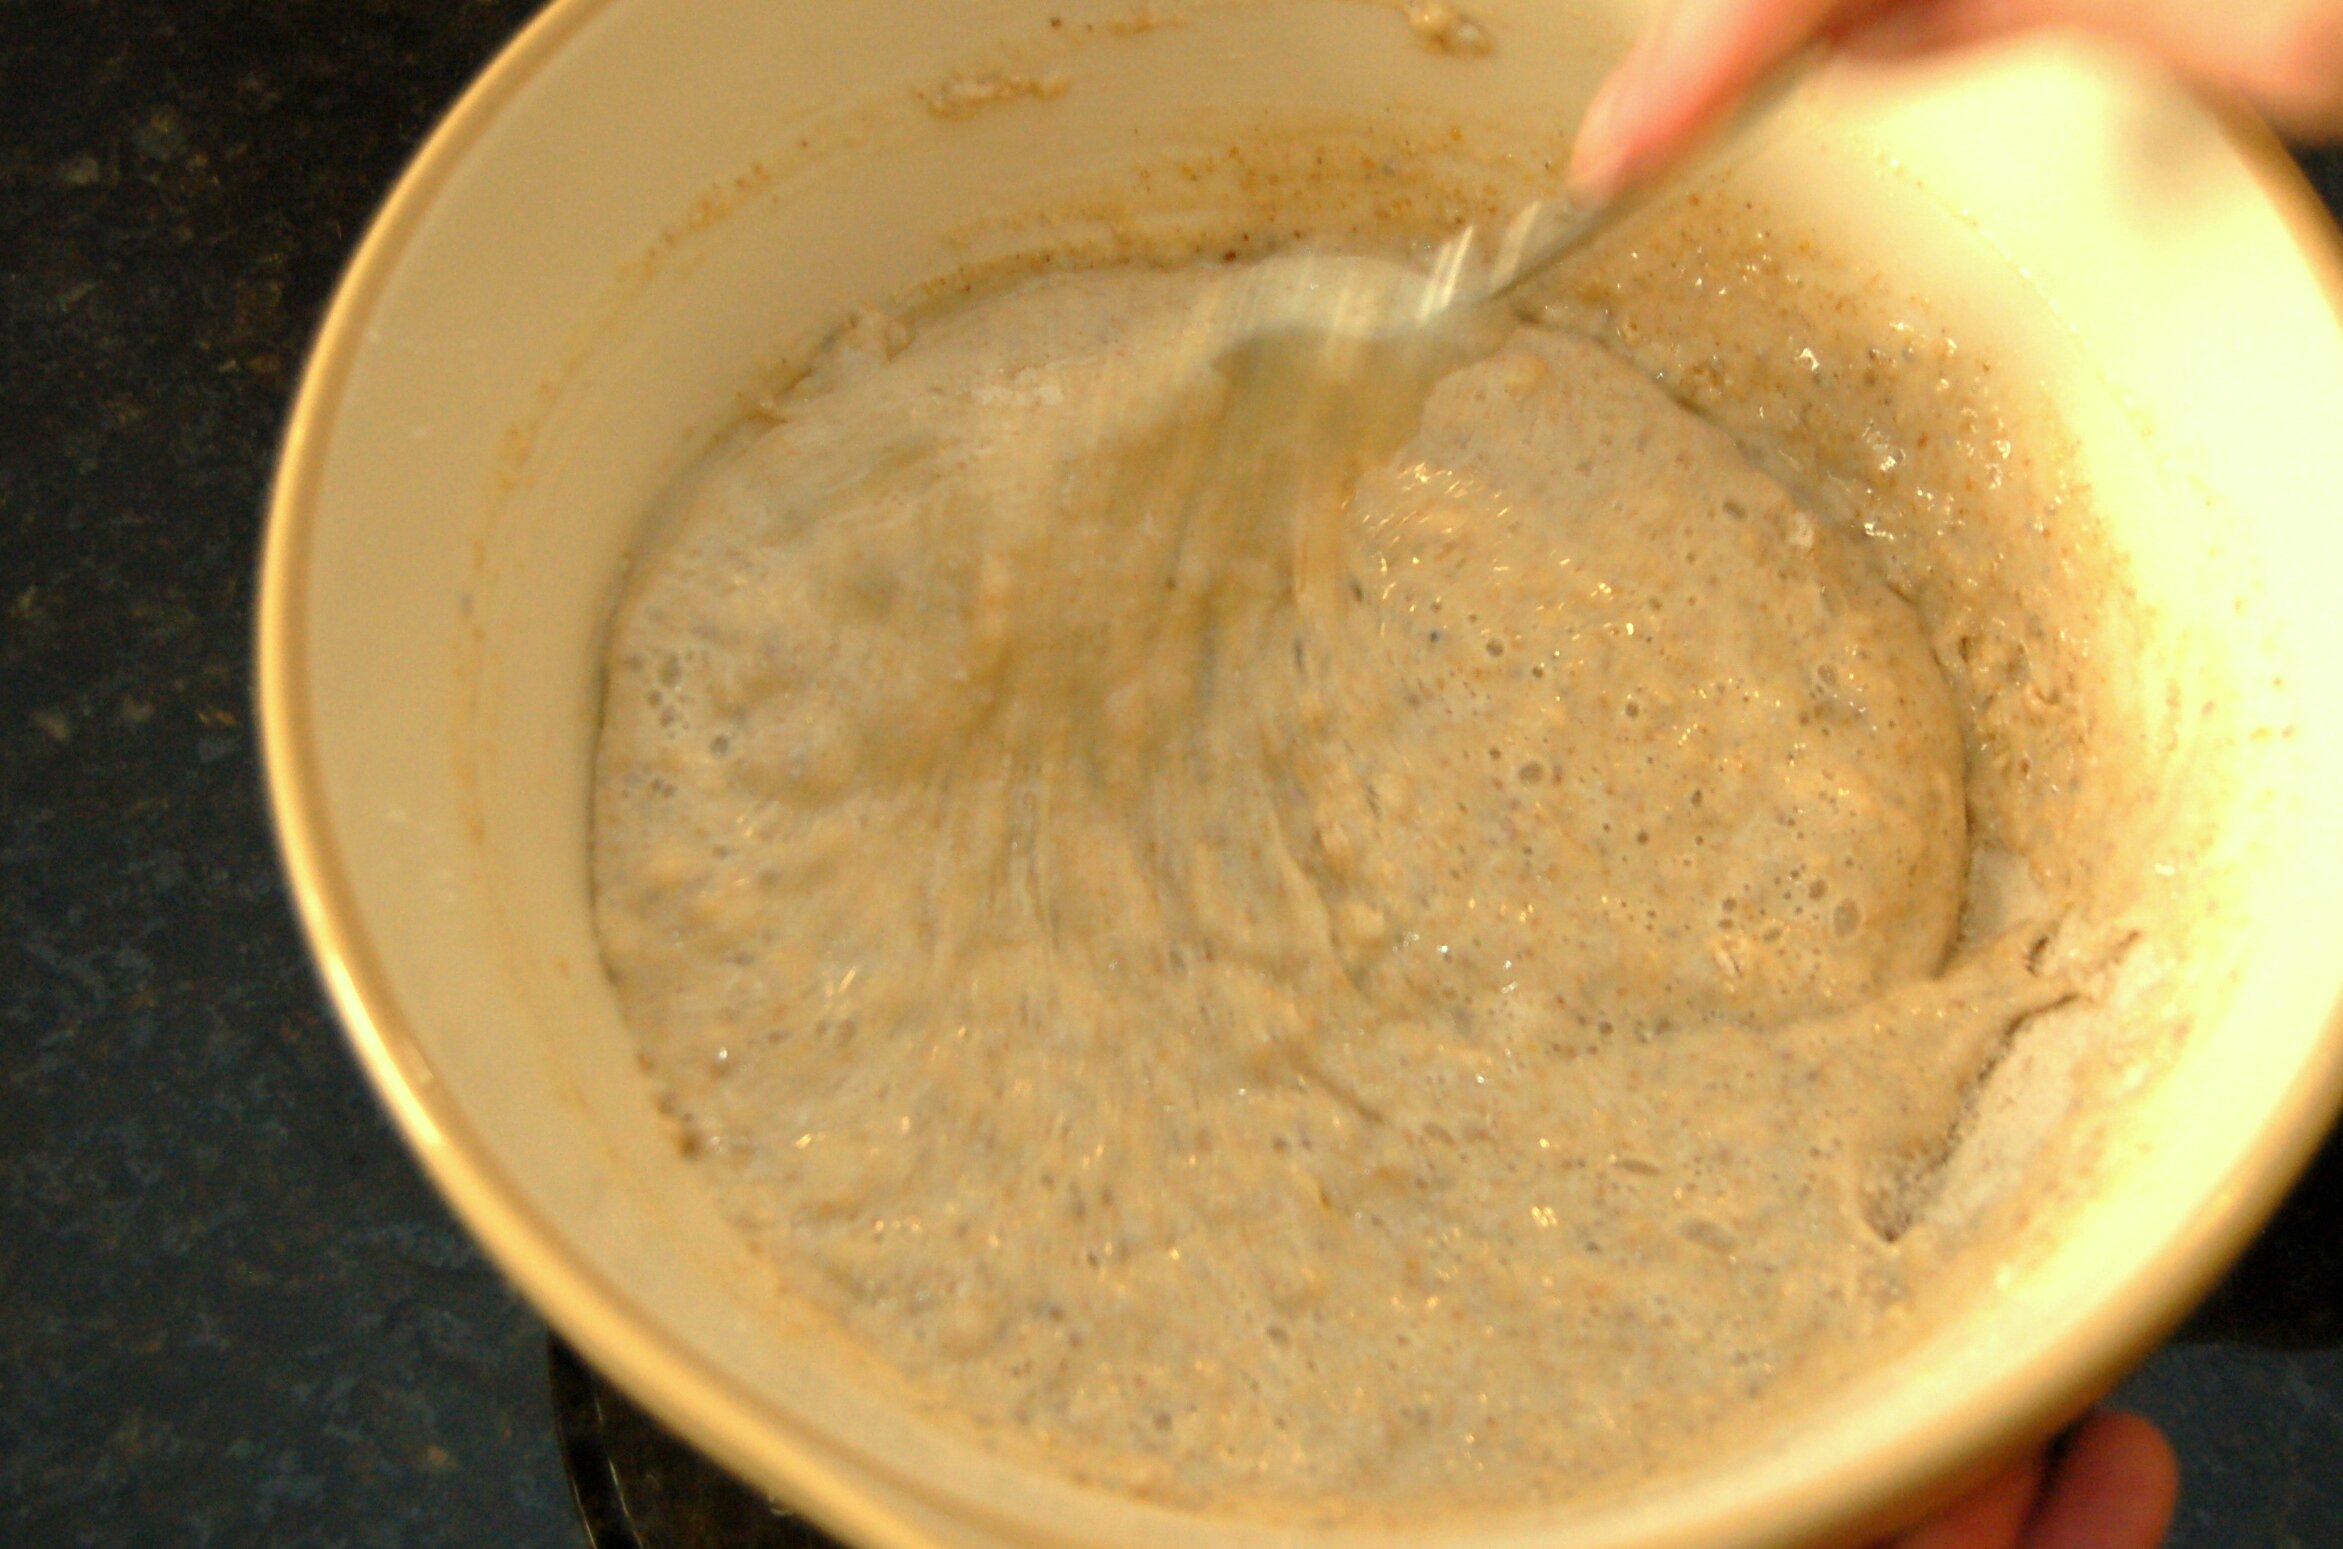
x=230 y=1310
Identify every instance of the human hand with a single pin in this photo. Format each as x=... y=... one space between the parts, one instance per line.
x=1698 y=59
x=2111 y=1485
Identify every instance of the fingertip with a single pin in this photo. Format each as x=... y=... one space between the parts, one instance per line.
x=1696 y=60
x=2155 y=1463
x=1629 y=127
x=1597 y=157
x=2114 y=1487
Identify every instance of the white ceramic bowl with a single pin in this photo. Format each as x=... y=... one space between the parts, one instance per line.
x=641 y=200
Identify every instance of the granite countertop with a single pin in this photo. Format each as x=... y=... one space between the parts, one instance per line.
x=234 y=1313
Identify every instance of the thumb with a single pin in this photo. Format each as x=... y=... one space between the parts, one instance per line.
x=1682 y=77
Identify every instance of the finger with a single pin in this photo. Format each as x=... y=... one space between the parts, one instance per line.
x=2113 y=1488
x=1680 y=78
x=1988 y=1517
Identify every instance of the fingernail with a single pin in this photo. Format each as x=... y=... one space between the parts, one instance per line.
x=1597 y=155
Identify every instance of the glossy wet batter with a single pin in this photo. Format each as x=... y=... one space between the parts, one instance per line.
x=1406 y=983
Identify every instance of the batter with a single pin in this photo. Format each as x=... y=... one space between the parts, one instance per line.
x=1412 y=980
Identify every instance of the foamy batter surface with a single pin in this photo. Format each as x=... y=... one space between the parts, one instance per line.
x=1423 y=994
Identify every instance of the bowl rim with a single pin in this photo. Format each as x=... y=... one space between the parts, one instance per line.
x=722 y=1415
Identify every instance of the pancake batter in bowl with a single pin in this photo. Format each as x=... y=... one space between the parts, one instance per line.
x=1427 y=984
